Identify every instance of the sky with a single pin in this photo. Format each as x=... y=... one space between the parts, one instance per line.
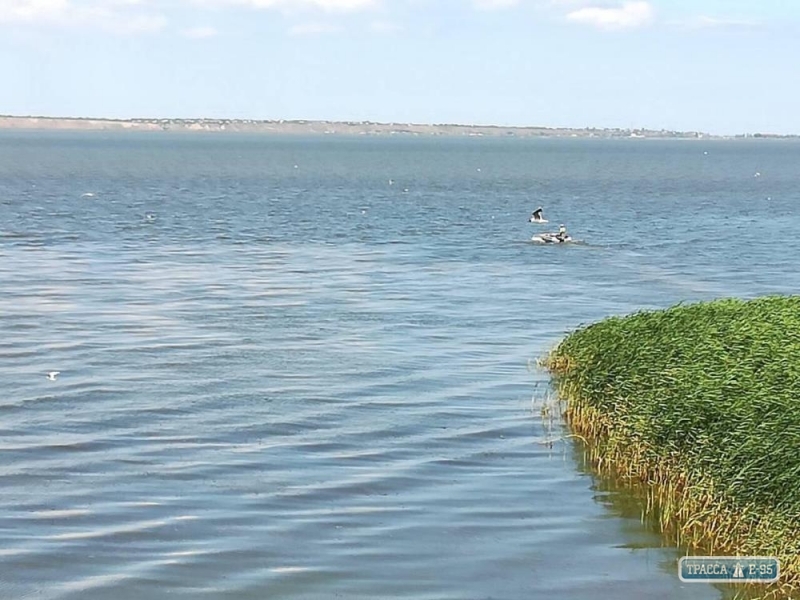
x=717 y=66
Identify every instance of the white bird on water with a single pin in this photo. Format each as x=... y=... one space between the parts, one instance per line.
x=537 y=216
x=52 y=375
x=87 y=195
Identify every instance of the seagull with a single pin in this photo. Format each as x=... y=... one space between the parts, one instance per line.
x=52 y=375
x=87 y=195
x=391 y=182
x=150 y=217
x=757 y=174
x=537 y=217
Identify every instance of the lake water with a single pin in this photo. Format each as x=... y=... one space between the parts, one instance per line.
x=297 y=380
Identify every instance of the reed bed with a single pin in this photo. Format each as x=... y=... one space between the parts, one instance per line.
x=700 y=406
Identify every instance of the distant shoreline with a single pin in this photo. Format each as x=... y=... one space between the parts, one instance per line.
x=346 y=128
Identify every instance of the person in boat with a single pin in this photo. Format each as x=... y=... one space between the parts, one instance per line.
x=537 y=215
x=562 y=233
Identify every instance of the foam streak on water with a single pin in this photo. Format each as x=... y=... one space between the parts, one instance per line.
x=305 y=383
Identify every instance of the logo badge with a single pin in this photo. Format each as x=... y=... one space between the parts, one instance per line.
x=723 y=569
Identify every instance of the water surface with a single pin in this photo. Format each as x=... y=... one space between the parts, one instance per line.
x=283 y=376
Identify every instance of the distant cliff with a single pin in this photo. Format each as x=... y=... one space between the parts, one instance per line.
x=328 y=128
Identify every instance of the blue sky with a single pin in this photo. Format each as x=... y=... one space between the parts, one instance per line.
x=719 y=66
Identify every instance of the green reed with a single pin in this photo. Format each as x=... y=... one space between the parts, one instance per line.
x=701 y=405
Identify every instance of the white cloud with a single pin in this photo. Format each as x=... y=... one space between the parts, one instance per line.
x=199 y=33
x=129 y=25
x=116 y=16
x=295 y=5
x=629 y=15
x=32 y=10
x=334 y=5
x=706 y=22
x=494 y=4
x=140 y=16
x=313 y=29
x=384 y=27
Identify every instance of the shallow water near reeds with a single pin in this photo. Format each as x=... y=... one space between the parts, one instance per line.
x=294 y=379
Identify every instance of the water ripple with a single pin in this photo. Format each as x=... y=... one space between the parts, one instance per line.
x=265 y=392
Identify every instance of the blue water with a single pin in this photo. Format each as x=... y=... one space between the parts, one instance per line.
x=297 y=380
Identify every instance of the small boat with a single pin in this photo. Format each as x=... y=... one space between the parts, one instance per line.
x=551 y=238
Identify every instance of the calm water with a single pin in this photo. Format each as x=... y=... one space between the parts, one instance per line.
x=295 y=380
